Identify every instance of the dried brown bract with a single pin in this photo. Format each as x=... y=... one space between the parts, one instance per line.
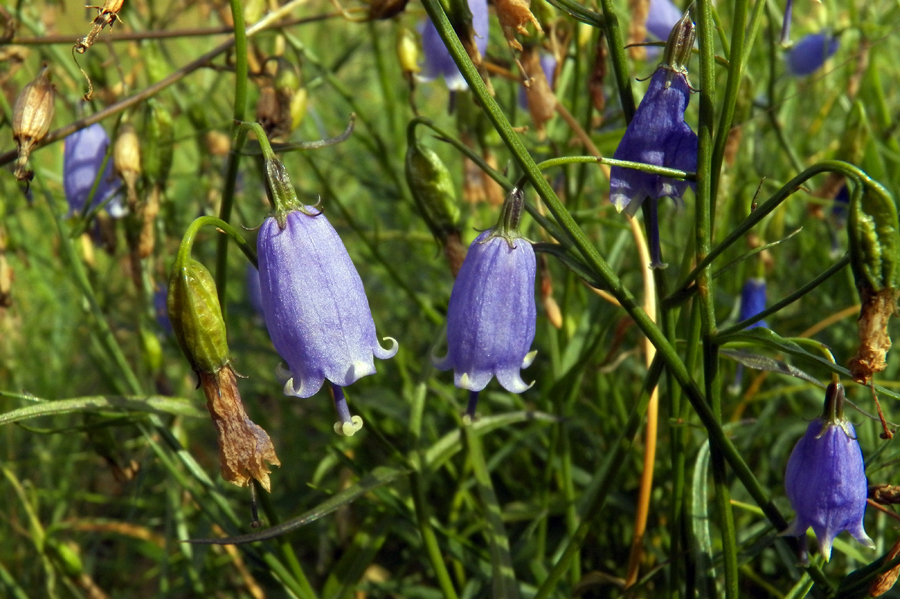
x=885 y=582
x=245 y=449
x=108 y=14
x=514 y=15
x=874 y=341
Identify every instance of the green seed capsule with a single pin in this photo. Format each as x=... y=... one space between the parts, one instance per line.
x=874 y=238
x=197 y=317
x=158 y=139
x=433 y=190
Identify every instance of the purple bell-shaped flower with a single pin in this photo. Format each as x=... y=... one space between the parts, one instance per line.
x=438 y=62
x=662 y=16
x=83 y=155
x=826 y=478
x=491 y=316
x=809 y=54
x=658 y=135
x=314 y=304
x=313 y=299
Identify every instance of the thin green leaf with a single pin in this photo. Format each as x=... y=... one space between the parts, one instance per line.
x=700 y=517
x=377 y=478
x=759 y=362
x=153 y=404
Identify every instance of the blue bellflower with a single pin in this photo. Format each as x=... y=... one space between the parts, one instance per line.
x=83 y=155
x=316 y=309
x=438 y=62
x=826 y=479
x=658 y=135
x=491 y=316
x=662 y=16
x=809 y=54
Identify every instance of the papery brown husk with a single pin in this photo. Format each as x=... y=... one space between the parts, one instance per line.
x=244 y=447
x=885 y=581
x=874 y=341
x=637 y=29
x=541 y=99
x=513 y=16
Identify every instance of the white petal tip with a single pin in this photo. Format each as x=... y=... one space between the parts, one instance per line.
x=348 y=429
x=390 y=352
x=529 y=358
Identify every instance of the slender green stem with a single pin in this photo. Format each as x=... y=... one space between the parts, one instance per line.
x=616 y=44
x=238 y=135
x=432 y=547
x=732 y=87
x=703 y=230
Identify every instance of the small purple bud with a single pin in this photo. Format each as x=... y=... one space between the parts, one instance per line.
x=809 y=54
x=826 y=479
x=491 y=317
x=314 y=304
x=438 y=62
x=82 y=157
x=753 y=301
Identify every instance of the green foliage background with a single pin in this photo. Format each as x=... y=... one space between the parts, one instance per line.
x=98 y=493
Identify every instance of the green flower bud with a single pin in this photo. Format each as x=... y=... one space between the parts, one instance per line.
x=432 y=189
x=287 y=79
x=197 y=317
x=158 y=140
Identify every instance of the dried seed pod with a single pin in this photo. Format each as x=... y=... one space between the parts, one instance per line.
x=32 y=116
x=539 y=96
x=127 y=159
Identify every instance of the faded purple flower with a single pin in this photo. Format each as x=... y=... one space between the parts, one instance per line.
x=83 y=155
x=826 y=479
x=753 y=301
x=314 y=305
x=491 y=317
x=438 y=62
x=809 y=54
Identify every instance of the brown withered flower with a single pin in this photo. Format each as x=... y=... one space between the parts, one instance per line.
x=32 y=116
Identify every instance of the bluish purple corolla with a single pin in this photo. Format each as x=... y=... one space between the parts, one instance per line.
x=438 y=62
x=825 y=479
x=809 y=54
x=83 y=155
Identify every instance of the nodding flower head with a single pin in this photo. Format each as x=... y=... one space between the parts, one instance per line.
x=438 y=62
x=826 y=479
x=83 y=156
x=314 y=304
x=809 y=54
x=753 y=301
x=491 y=316
x=658 y=135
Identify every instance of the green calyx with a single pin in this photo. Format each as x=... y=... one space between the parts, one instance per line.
x=874 y=234
x=510 y=217
x=432 y=188
x=680 y=44
x=197 y=316
x=833 y=412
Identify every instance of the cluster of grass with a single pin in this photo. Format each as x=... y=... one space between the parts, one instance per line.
x=109 y=458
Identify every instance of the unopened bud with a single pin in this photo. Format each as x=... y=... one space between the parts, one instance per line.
x=127 y=159
x=432 y=189
x=32 y=116
x=408 y=50
x=197 y=317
